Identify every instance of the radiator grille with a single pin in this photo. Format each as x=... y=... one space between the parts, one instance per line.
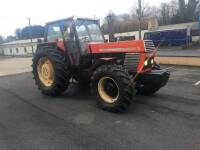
x=149 y=46
x=131 y=61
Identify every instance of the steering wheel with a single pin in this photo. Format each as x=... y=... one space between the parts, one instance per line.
x=85 y=39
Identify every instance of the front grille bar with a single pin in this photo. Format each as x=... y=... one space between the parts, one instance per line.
x=131 y=61
x=149 y=46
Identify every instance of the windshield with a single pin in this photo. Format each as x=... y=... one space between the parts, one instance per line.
x=88 y=31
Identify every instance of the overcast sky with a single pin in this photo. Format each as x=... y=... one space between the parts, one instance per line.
x=12 y=12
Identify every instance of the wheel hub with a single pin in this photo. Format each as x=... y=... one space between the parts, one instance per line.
x=45 y=71
x=108 y=89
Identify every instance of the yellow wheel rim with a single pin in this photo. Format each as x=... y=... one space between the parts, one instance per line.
x=108 y=95
x=46 y=71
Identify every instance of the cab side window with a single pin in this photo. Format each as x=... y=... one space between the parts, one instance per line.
x=54 y=33
x=67 y=32
x=69 y=36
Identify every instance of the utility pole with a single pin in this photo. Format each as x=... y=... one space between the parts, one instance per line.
x=140 y=17
x=30 y=34
x=198 y=12
x=110 y=28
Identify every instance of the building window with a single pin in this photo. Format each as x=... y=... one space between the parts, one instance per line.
x=1 y=51
x=10 y=50
x=25 y=50
x=17 y=50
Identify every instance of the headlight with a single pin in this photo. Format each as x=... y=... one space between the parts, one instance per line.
x=152 y=61
x=146 y=63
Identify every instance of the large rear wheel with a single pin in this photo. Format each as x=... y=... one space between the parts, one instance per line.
x=112 y=87
x=51 y=71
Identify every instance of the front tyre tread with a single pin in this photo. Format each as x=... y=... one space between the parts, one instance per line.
x=125 y=85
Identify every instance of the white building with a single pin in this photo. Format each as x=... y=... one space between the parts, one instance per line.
x=19 y=48
x=135 y=34
x=1 y=51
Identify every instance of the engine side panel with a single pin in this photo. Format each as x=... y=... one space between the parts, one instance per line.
x=118 y=47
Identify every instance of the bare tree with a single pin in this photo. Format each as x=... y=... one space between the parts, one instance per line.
x=18 y=33
x=174 y=6
x=110 y=19
x=165 y=13
x=190 y=10
x=182 y=9
x=1 y=39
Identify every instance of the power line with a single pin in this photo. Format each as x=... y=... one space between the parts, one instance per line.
x=30 y=33
x=16 y=18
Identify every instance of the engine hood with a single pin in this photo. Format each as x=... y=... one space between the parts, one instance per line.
x=119 y=47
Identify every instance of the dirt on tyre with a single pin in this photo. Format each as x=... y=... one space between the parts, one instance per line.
x=50 y=71
x=113 y=88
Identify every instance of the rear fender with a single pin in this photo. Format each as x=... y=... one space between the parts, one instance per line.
x=52 y=45
x=46 y=45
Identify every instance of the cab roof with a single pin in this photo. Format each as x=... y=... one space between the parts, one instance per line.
x=70 y=18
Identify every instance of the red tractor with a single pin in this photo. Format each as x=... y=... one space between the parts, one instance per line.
x=75 y=48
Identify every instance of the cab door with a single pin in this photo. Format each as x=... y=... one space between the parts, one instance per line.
x=71 y=42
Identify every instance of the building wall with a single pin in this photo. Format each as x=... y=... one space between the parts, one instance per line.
x=192 y=25
x=195 y=39
x=134 y=33
x=18 y=48
x=1 y=51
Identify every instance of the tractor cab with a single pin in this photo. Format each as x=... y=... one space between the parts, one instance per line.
x=73 y=34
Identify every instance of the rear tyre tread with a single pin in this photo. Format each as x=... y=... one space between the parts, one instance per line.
x=61 y=68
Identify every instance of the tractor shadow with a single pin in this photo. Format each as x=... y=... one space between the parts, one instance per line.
x=142 y=106
x=83 y=93
x=78 y=92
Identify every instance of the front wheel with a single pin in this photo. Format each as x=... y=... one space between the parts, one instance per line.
x=112 y=87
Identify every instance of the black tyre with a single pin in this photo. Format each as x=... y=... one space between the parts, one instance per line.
x=113 y=88
x=51 y=71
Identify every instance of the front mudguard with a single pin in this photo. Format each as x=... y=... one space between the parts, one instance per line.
x=154 y=78
x=149 y=82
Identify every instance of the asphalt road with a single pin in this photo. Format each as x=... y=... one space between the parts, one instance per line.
x=170 y=120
